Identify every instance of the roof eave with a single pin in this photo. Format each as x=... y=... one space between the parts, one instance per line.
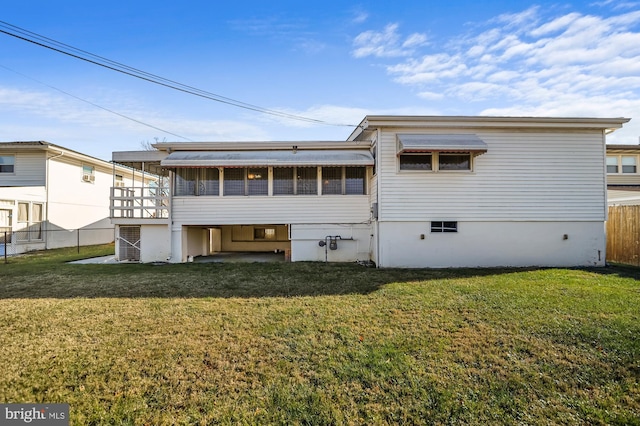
x=373 y=121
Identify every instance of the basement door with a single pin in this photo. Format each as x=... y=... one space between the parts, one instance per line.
x=129 y=243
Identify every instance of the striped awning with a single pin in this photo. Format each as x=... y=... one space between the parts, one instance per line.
x=441 y=143
x=287 y=158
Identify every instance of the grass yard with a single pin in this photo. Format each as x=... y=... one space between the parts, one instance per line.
x=314 y=343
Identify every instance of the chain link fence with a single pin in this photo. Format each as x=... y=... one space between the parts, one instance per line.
x=13 y=243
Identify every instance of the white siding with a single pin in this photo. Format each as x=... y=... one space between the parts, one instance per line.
x=29 y=170
x=523 y=176
x=623 y=179
x=355 y=243
x=74 y=203
x=255 y=210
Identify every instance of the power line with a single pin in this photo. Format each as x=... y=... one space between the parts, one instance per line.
x=96 y=105
x=89 y=57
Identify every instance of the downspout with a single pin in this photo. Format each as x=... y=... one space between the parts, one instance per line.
x=378 y=239
x=46 y=190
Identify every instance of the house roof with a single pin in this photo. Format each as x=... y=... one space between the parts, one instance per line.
x=372 y=122
x=635 y=149
x=257 y=145
x=268 y=158
x=443 y=143
x=57 y=151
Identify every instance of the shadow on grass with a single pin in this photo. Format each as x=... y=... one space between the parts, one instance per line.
x=617 y=269
x=215 y=280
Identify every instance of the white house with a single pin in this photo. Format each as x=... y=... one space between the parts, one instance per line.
x=623 y=175
x=402 y=191
x=48 y=193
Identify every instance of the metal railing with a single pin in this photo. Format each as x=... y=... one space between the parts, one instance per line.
x=139 y=202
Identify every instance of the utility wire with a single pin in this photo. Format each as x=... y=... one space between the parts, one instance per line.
x=96 y=105
x=89 y=57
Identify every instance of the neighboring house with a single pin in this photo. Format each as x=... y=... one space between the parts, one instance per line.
x=623 y=175
x=402 y=191
x=48 y=192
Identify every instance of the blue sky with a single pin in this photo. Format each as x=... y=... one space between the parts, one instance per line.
x=333 y=61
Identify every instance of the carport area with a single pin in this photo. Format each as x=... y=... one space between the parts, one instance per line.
x=253 y=243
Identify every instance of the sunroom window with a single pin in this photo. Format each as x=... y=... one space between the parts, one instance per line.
x=283 y=181
x=331 y=180
x=193 y=181
x=307 y=180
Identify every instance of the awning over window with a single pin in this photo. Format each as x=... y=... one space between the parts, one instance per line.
x=441 y=143
x=268 y=158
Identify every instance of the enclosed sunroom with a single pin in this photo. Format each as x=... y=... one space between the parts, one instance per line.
x=254 y=197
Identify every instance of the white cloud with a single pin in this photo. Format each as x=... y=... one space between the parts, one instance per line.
x=534 y=63
x=386 y=43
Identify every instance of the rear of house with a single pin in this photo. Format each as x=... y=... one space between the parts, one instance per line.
x=403 y=191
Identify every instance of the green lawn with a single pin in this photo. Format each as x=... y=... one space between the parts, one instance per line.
x=314 y=343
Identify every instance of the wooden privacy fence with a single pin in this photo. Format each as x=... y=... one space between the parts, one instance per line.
x=623 y=235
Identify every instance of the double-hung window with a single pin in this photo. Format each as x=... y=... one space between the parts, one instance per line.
x=629 y=164
x=30 y=216
x=612 y=164
x=7 y=163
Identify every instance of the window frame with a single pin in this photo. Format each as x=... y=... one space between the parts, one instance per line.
x=444 y=226
x=617 y=165
x=29 y=222
x=416 y=154
x=12 y=165
x=468 y=155
x=436 y=166
x=623 y=165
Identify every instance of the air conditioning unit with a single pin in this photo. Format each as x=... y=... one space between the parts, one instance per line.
x=88 y=178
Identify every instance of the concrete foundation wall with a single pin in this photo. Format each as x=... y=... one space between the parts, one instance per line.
x=492 y=244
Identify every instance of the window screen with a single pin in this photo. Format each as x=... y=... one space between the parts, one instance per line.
x=354 y=180
x=258 y=181
x=283 y=181
x=307 y=180
x=233 y=182
x=331 y=180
